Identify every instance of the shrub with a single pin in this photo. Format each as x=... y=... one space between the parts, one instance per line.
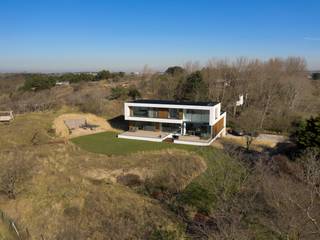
x=92 y=105
x=104 y=74
x=192 y=88
x=72 y=212
x=307 y=133
x=129 y=180
x=165 y=184
x=84 y=77
x=13 y=174
x=68 y=77
x=196 y=196
x=161 y=234
x=38 y=82
x=175 y=70
x=157 y=186
x=118 y=93
x=316 y=76
x=134 y=93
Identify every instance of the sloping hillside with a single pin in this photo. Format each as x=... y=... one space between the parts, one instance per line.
x=63 y=192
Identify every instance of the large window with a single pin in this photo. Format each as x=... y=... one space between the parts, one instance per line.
x=197 y=116
x=147 y=126
x=148 y=112
x=144 y=112
x=171 y=127
x=173 y=113
x=198 y=129
x=139 y=112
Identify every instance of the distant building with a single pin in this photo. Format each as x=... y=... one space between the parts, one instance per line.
x=6 y=116
x=64 y=83
x=240 y=101
x=135 y=73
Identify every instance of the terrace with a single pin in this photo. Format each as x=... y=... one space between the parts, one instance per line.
x=193 y=140
x=145 y=135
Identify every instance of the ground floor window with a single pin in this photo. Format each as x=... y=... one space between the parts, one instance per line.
x=147 y=126
x=198 y=129
x=171 y=127
x=154 y=126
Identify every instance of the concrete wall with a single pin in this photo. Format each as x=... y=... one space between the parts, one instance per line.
x=214 y=112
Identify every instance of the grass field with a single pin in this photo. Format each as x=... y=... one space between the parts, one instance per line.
x=221 y=178
x=61 y=177
x=108 y=143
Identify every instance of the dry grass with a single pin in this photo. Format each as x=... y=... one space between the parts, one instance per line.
x=26 y=129
x=5 y=233
x=258 y=144
x=178 y=167
x=68 y=192
x=61 y=180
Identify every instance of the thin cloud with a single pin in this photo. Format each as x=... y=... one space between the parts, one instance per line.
x=312 y=38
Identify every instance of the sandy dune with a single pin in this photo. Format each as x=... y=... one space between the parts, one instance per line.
x=62 y=130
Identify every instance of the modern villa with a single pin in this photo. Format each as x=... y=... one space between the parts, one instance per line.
x=182 y=122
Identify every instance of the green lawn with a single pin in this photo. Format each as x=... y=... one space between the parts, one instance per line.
x=108 y=143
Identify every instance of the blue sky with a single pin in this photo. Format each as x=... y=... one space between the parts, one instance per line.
x=79 y=35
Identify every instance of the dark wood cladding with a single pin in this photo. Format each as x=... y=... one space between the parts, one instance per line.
x=180 y=113
x=163 y=113
x=157 y=127
x=217 y=127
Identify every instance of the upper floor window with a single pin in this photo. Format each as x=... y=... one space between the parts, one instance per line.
x=174 y=113
x=201 y=116
x=148 y=112
x=140 y=112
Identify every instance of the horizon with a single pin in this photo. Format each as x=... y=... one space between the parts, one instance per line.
x=80 y=36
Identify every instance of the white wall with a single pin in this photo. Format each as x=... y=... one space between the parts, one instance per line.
x=212 y=112
x=215 y=114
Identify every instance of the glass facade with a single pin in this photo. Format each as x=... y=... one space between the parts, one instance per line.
x=197 y=116
x=147 y=126
x=148 y=112
x=140 y=112
x=197 y=129
x=170 y=127
x=173 y=113
x=195 y=122
x=151 y=126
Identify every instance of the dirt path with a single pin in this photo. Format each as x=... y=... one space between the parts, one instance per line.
x=269 y=140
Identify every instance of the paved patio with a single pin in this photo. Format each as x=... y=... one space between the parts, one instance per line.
x=146 y=134
x=191 y=138
x=161 y=136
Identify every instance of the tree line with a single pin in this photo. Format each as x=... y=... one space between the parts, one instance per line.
x=46 y=81
x=275 y=92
